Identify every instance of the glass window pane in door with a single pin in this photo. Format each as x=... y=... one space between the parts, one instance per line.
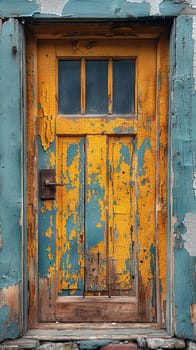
x=69 y=87
x=96 y=87
x=123 y=86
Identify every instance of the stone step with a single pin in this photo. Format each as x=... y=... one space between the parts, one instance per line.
x=147 y=343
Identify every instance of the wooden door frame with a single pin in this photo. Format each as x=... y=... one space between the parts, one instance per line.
x=33 y=34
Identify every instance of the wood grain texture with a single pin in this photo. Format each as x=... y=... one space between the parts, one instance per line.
x=32 y=185
x=133 y=236
x=97 y=310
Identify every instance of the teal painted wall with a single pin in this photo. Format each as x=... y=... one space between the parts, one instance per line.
x=91 y=8
x=11 y=202
x=183 y=132
x=182 y=172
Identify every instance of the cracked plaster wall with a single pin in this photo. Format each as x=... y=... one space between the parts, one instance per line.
x=95 y=8
x=185 y=87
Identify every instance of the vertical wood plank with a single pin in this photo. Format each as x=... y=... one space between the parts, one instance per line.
x=146 y=181
x=161 y=176
x=96 y=214
x=47 y=109
x=32 y=186
x=121 y=235
x=70 y=216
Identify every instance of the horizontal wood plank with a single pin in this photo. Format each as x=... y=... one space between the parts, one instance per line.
x=95 y=309
x=90 y=331
x=95 y=126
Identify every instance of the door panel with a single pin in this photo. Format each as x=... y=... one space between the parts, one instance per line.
x=70 y=218
x=96 y=215
x=95 y=221
x=98 y=240
x=121 y=218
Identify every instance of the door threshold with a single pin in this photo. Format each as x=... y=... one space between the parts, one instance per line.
x=94 y=331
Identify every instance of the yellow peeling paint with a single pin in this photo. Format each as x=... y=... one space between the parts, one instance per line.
x=68 y=214
x=107 y=126
x=52 y=159
x=50 y=255
x=47 y=206
x=46 y=130
x=122 y=212
x=72 y=235
x=96 y=174
x=111 y=211
x=52 y=270
x=46 y=91
x=48 y=233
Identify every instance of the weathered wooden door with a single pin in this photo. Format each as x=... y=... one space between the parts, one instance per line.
x=99 y=130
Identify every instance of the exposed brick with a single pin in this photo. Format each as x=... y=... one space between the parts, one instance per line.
x=120 y=346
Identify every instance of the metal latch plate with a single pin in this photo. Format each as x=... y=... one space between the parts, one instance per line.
x=47 y=192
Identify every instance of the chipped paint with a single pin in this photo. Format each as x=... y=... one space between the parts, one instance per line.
x=183 y=152
x=172 y=8
x=18 y=8
x=96 y=9
x=11 y=178
x=154 y=6
x=52 y=159
x=189 y=237
x=10 y=143
x=99 y=250
x=48 y=7
x=8 y=329
x=194 y=50
x=193 y=315
x=70 y=238
x=145 y=147
x=183 y=162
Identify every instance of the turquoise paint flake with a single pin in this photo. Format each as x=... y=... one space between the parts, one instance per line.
x=141 y=153
x=75 y=221
x=15 y=8
x=89 y=9
x=11 y=174
x=123 y=131
x=71 y=153
x=183 y=134
x=118 y=169
x=171 y=8
x=8 y=328
x=124 y=157
x=152 y=259
x=125 y=154
x=44 y=242
x=44 y=157
x=94 y=234
x=44 y=263
x=184 y=288
x=106 y=8
x=69 y=185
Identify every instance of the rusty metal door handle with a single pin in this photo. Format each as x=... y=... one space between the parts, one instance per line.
x=48 y=184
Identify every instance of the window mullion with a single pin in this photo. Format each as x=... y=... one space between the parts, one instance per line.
x=110 y=86
x=83 y=85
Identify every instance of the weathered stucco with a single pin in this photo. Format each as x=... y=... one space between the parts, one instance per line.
x=183 y=135
x=11 y=179
x=190 y=236
x=182 y=152
x=92 y=9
